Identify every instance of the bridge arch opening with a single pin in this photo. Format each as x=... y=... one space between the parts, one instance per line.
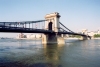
x=50 y=26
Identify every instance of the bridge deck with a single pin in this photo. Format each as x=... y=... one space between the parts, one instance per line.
x=72 y=33
x=33 y=30
x=23 y=30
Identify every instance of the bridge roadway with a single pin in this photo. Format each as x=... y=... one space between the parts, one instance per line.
x=33 y=30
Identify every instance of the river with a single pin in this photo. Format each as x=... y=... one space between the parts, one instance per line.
x=29 y=53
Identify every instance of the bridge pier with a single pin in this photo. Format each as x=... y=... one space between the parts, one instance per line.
x=52 y=39
x=52 y=24
x=83 y=38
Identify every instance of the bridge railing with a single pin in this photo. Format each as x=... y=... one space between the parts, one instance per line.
x=26 y=24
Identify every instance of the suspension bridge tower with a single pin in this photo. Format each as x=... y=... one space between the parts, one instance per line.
x=52 y=24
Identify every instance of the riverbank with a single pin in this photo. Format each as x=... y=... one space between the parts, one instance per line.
x=96 y=38
x=28 y=38
x=71 y=38
x=79 y=38
x=41 y=38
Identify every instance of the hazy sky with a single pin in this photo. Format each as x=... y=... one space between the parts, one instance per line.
x=75 y=14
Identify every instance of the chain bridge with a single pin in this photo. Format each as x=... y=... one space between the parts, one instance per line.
x=51 y=28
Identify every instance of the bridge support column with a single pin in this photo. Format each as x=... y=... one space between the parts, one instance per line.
x=52 y=24
x=83 y=38
x=52 y=39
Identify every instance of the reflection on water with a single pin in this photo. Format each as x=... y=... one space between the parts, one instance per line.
x=29 y=53
x=52 y=54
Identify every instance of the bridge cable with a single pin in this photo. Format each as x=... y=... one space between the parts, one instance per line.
x=62 y=29
x=65 y=27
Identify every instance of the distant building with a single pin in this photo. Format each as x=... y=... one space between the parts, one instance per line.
x=92 y=33
x=21 y=35
x=84 y=31
x=30 y=36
